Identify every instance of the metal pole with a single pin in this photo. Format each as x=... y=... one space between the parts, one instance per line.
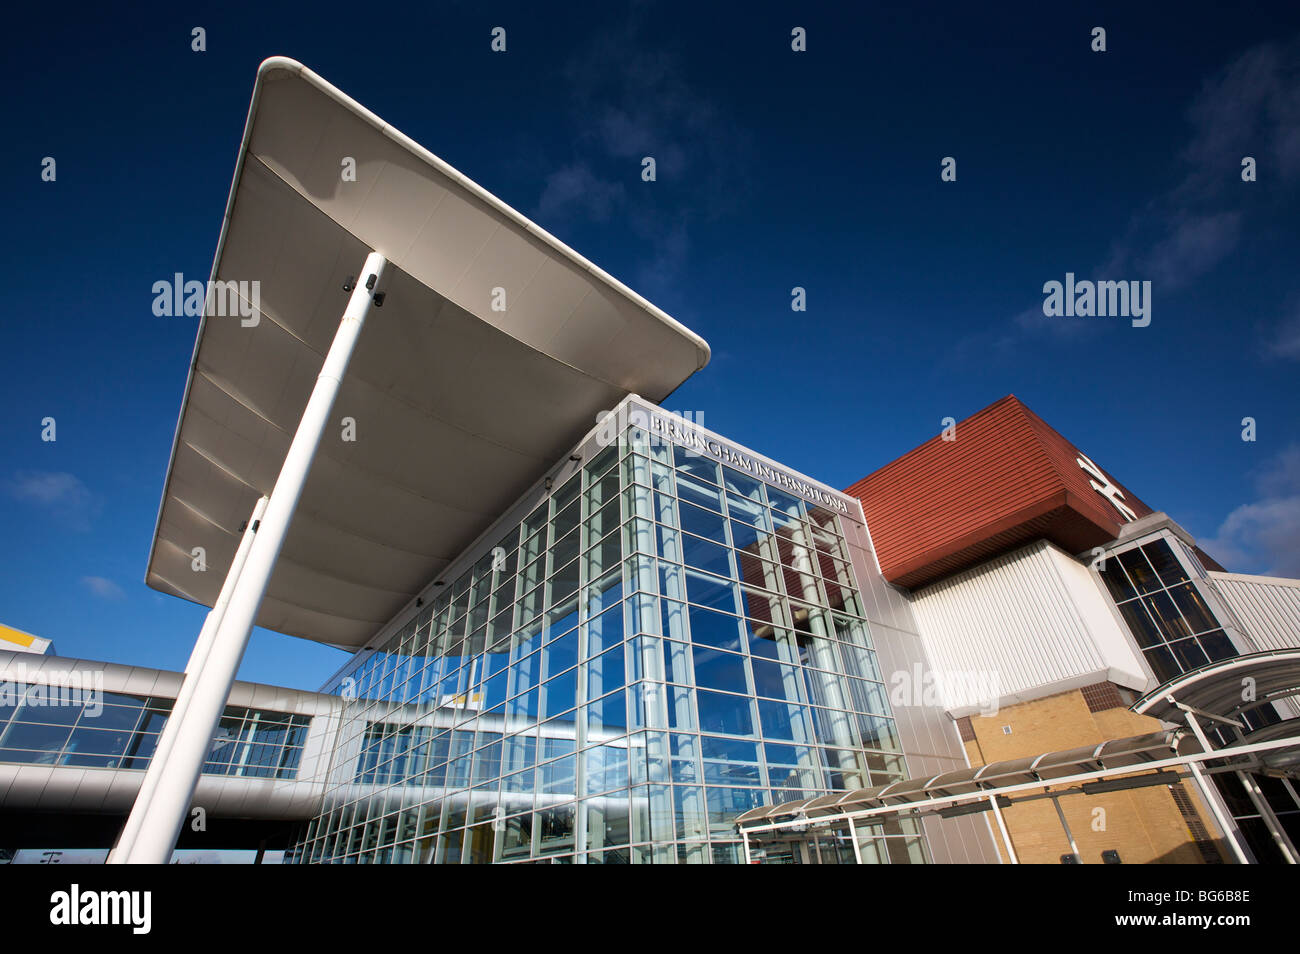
x=853 y=835
x=1002 y=827
x=745 y=835
x=202 y=646
x=1068 y=834
x=1222 y=818
x=171 y=800
x=1227 y=824
x=1265 y=810
x=1286 y=783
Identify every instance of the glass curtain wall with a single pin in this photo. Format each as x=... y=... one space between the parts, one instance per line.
x=40 y=725
x=1163 y=609
x=661 y=644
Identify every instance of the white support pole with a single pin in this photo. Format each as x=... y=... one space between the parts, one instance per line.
x=202 y=646
x=1225 y=821
x=1002 y=826
x=853 y=836
x=745 y=835
x=1260 y=800
x=1227 y=824
x=171 y=801
x=1286 y=783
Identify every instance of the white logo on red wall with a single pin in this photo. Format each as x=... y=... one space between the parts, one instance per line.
x=1106 y=488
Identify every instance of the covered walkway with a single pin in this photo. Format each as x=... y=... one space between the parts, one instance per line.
x=1247 y=703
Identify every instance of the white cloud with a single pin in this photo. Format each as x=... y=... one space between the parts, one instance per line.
x=103 y=588
x=1285 y=342
x=576 y=188
x=629 y=101
x=1250 y=108
x=63 y=495
x=1263 y=536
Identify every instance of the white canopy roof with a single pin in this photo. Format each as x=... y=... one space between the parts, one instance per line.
x=458 y=408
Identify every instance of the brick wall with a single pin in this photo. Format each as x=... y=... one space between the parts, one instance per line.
x=1146 y=826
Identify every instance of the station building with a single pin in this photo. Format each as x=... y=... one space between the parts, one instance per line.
x=583 y=629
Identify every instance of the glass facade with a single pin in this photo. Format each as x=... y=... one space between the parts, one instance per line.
x=1164 y=611
x=40 y=725
x=664 y=642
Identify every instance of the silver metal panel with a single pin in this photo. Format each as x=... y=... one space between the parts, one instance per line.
x=1268 y=608
x=459 y=404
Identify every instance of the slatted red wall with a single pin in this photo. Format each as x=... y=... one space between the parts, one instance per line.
x=1008 y=478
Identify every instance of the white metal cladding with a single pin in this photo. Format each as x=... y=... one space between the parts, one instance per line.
x=1028 y=622
x=1267 y=607
x=496 y=348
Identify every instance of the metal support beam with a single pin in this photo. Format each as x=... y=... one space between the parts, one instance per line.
x=927 y=805
x=1223 y=720
x=1002 y=827
x=199 y=656
x=1069 y=835
x=171 y=800
x=853 y=835
x=1227 y=824
x=1265 y=810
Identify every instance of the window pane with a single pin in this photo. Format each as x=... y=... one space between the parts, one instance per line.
x=708 y=628
x=719 y=670
x=566 y=520
x=47 y=738
x=706 y=556
x=1140 y=623
x=1193 y=608
x=605 y=673
x=565 y=550
x=99 y=742
x=604 y=631
x=694 y=463
x=710 y=591
x=725 y=714
x=703 y=523
x=1139 y=571
x=607 y=717
x=1171 y=622
x=1216 y=645
x=741 y=484
x=1117 y=581
x=1165 y=563
x=1162 y=663
x=1189 y=654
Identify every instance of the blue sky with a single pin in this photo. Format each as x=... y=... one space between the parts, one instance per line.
x=776 y=169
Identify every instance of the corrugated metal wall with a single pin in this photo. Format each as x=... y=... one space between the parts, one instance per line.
x=1268 y=608
x=1026 y=620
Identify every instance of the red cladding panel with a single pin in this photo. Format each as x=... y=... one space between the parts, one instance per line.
x=1008 y=478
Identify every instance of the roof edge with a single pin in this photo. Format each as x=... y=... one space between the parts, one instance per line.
x=284 y=64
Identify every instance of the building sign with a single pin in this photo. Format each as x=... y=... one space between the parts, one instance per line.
x=1106 y=488
x=694 y=439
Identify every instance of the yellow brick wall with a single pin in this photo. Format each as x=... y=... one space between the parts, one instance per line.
x=1143 y=825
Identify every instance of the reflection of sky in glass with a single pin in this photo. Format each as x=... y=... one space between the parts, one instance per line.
x=663 y=644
